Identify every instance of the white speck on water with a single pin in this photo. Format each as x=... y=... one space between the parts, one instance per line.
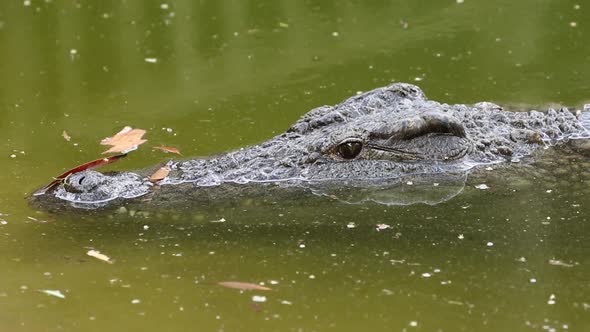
x=436 y=184
x=460 y=1
x=164 y=6
x=135 y=301
x=311 y=276
x=3 y=222
x=436 y=270
x=413 y=323
x=146 y=227
x=335 y=34
x=286 y=302
x=418 y=79
x=273 y=282
x=426 y=275
x=302 y=246
x=73 y=51
x=489 y=169
x=386 y=291
x=151 y=60
x=461 y=236
x=410 y=183
x=259 y=298
x=13 y=156
x=549 y=191
x=482 y=186
x=533 y=280
x=551 y=300
x=350 y=225
x=573 y=24
x=27 y=3
x=218 y=220
x=490 y=244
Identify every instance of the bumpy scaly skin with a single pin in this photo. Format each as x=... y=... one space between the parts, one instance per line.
x=399 y=133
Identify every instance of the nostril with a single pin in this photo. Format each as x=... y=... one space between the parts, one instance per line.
x=81 y=179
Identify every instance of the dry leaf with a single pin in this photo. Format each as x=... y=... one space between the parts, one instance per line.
x=242 y=285
x=96 y=254
x=160 y=174
x=168 y=149
x=89 y=165
x=66 y=136
x=128 y=139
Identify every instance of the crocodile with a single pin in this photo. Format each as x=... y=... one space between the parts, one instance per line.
x=369 y=139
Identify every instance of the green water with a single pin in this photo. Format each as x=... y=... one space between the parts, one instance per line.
x=225 y=74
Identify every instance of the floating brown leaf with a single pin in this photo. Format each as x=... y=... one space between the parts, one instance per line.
x=89 y=165
x=66 y=136
x=168 y=149
x=161 y=173
x=96 y=254
x=242 y=285
x=128 y=139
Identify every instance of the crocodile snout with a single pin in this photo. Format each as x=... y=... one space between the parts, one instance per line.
x=84 y=182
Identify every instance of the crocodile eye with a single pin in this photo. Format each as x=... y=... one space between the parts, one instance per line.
x=349 y=150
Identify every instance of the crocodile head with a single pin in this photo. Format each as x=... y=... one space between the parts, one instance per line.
x=372 y=138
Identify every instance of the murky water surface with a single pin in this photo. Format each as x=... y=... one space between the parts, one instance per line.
x=209 y=76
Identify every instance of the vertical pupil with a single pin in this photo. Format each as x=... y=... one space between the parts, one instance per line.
x=349 y=150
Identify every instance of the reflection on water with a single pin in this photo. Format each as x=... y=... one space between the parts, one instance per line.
x=426 y=189
x=210 y=76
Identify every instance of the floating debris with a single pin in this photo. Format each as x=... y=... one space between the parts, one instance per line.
x=557 y=262
x=381 y=227
x=53 y=292
x=128 y=139
x=243 y=285
x=482 y=186
x=96 y=254
x=168 y=149
x=66 y=136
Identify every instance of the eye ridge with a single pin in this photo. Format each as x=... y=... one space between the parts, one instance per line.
x=349 y=149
